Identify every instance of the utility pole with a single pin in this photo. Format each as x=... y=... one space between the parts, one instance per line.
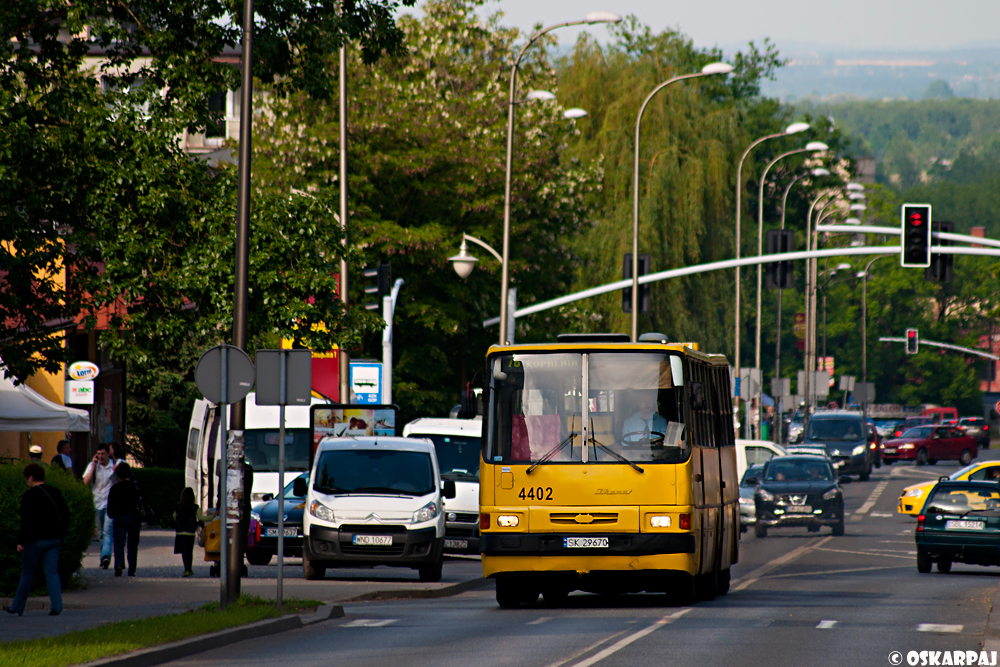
x=345 y=361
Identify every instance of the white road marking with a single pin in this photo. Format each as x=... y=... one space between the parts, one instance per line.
x=370 y=623
x=585 y=651
x=539 y=621
x=882 y=514
x=826 y=625
x=750 y=578
x=938 y=627
x=825 y=573
x=865 y=553
x=625 y=641
x=873 y=498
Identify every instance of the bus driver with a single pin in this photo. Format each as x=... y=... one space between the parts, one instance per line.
x=645 y=426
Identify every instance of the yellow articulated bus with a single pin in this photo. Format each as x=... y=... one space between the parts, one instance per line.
x=608 y=467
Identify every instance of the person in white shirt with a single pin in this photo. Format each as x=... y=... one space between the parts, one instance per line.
x=645 y=427
x=100 y=474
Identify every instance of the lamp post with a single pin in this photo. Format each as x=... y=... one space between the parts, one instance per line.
x=811 y=266
x=864 y=315
x=707 y=70
x=590 y=19
x=813 y=146
x=826 y=287
x=791 y=129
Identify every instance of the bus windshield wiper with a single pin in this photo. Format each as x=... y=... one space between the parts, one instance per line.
x=615 y=454
x=552 y=452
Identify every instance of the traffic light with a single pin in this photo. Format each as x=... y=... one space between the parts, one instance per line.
x=644 y=263
x=377 y=285
x=912 y=341
x=940 y=269
x=779 y=275
x=916 y=235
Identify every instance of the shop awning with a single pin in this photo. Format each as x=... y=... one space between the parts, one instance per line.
x=24 y=409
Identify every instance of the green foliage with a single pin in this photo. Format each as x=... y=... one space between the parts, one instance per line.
x=162 y=487
x=80 y=502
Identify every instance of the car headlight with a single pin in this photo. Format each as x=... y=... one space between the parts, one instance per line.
x=913 y=493
x=860 y=449
x=746 y=501
x=908 y=445
x=426 y=513
x=831 y=494
x=764 y=494
x=321 y=511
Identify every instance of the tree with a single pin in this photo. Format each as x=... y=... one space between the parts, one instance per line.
x=92 y=96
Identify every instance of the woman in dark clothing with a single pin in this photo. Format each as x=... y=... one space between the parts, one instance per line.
x=123 y=501
x=188 y=515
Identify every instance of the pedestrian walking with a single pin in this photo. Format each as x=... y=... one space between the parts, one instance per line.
x=44 y=523
x=188 y=515
x=125 y=508
x=116 y=451
x=62 y=458
x=35 y=454
x=100 y=475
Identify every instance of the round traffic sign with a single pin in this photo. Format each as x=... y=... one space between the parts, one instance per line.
x=239 y=373
x=997 y=406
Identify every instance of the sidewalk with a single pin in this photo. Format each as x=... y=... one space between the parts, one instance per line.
x=159 y=589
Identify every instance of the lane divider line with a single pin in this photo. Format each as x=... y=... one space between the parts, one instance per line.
x=748 y=579
x=539 y=621
x=873 y=498
x=585 y=651
x=938 y=627
x=826 y=625
x=622 y=643
x=880 y=554
x=369 y=623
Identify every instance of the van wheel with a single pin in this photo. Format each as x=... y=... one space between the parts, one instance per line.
x=966 y=457
x=921 y=457
x=431 y=572
x=310 y=569
x=259 y=557
x=924 y=563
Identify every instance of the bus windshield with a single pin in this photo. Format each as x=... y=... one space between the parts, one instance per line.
x=634 y=408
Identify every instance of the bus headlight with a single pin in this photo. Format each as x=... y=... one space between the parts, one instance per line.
x=508 y=521
x=321 y=511
x=660 y=521
x=425 y=513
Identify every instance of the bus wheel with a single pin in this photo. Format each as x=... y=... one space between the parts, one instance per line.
x=682 y=593
x=508 y=593
x=724 y=578
x=707 y=585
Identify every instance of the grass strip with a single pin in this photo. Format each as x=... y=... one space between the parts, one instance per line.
x=121 y=637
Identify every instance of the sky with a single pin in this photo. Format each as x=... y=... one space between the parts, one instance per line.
x=846 y=24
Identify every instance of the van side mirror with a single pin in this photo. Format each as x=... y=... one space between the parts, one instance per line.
x=448 y=488
x=697 y=396
x=300 y=486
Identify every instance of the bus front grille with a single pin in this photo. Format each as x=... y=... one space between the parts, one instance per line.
x=583 y=518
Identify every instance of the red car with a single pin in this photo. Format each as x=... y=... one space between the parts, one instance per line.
x=930 y=444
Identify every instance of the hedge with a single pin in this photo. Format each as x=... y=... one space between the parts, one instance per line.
x=162 y=487
x=81 y=524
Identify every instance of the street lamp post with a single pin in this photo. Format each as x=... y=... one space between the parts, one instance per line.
x=811 y=267
x=592 y=18
x=864 y=315
x=791 y=129
x=813 y=146
x=707 y=70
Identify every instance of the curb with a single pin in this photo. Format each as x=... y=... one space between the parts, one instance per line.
x=158 y=655
x=423 y=593
x=991 y=634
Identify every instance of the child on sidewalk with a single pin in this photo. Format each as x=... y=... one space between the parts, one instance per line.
x=187 y=515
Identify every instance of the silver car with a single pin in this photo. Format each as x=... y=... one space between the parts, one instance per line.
x=748 y=512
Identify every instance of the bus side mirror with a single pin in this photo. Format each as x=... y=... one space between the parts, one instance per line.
x=448 y=489
x=697 y=396
x=300 y=487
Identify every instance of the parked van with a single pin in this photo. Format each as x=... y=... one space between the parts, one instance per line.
x=749 y=452
x=458 y=443
x=942 y=415
x=204 y=447
x=374 y=500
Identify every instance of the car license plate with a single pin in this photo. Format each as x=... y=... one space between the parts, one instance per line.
x=889 y=450
x=273 y=532
x=373 y=540
x=585 y=542
x=799 y=509
x=456 y=544
x=958 y=524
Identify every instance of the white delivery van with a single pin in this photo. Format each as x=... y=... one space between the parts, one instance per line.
x=749 y=452
x=374 y=500
x=458 y=443
x=204 y=447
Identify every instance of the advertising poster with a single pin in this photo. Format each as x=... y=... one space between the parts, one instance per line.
x=352 y=421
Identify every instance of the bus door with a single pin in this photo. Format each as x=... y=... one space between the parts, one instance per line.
x=711 y=470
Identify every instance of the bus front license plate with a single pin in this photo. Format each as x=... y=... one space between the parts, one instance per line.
x=585 y=542
x=373 y=540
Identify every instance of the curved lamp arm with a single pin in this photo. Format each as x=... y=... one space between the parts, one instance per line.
x=483 y=244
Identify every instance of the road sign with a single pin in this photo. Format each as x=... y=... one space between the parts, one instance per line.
x=781 y=387
x=847 y=382
x=239 y=370
x=366 y=382
x=298 y=377
x=864 y=392
x=749 y=383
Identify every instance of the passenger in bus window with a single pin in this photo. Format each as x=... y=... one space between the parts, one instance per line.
x=645 y=426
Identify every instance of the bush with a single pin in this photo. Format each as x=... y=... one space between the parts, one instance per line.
x=162 y=487
x=81 y=524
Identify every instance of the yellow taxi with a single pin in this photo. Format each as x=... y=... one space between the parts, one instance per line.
x=912 y=499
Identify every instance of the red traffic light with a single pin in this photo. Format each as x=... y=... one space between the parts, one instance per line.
x=911 y=333
x=916 y=220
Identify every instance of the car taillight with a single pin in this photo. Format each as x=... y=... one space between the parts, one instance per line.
x=920 y=523
x=684 y=521
x=484 y=521
x=897 y=434
x=986 y=427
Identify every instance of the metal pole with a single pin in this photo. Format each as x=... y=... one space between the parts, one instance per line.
x=810 y=279
x=223 y=470
x=238 y=417
x=282 y=400
x=777 y=341
x=864 y=317
x=343 y=356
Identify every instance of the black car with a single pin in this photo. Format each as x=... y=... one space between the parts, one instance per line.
x=845 y=435
x=267 y=515
x=798 y=491
x=978 y=428
x=959 y=522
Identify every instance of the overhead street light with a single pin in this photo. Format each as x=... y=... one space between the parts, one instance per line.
x=543 y=95
x=589 y=19
x=574 y=113
x=707 y=70
x=855 y=187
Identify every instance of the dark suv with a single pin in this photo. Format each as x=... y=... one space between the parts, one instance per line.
x=798 y=491
x=977 y=428
x=845 y=435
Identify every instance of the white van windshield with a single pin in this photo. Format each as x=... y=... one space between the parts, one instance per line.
x=458 y=455
x=375 y=471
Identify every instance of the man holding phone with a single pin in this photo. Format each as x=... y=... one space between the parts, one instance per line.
x=100 y=475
